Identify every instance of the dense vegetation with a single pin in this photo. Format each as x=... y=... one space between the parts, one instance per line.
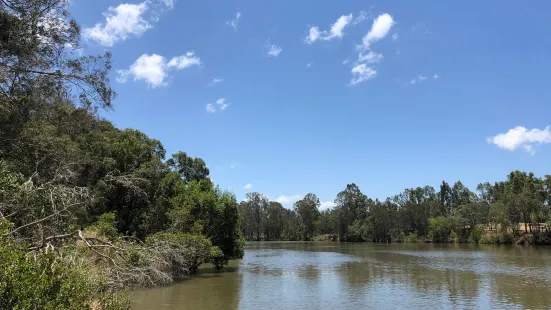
x=517 y=209
x=86 y=208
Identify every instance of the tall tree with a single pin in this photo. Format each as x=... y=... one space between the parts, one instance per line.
x=352 y=204
x=307 y=210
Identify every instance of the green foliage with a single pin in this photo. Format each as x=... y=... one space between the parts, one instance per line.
x=453 y=214
x=308 y=214
x=105 y=226
x=440 y=229
x=46 y=282
x=476 y=234
x=73 y=184
x=412 y=238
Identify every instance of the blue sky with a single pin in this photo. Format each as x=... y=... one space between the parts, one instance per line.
x=292 y=97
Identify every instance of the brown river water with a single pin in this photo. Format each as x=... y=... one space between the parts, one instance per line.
x=326 y=275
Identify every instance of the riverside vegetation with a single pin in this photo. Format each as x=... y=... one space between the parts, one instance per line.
x=87 y=209
x=516 y=210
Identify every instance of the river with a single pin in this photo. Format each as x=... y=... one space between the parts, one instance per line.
x=325 y=275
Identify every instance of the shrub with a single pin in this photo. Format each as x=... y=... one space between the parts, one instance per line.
x=440 y=229
x=411 y=238
x=43 y=281
x=496 y=238
x=476 y=234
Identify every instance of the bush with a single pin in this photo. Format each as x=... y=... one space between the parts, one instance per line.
x=411 y=238
x=496 y=238
x=476 y=234
x=43 y=281
x=440 y=229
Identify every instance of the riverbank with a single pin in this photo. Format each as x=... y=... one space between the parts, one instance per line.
x=488 y=237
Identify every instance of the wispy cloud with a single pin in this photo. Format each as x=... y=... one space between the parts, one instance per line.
x=274 y=50
x=126 y=20
x=248 y=186
x=521 y=137
x=361 y=73
x=210 y=108
x=308 y=65
x=234 y=23
x=361 y=17
x=184 y=61
x=395 y=36
x=370 y=57
x=336 y=31
x=153 y=69
x=220 y=105
x=421 y=78
x=216 y=81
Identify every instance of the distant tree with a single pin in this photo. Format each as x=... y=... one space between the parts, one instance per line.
x=308 y=214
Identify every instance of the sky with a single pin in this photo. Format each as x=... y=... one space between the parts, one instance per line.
x=291 y=97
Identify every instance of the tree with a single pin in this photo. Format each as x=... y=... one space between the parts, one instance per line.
x=352 y=204
x=446 y=197
x=308 y=214
x=255 y=208
x=189 y=168
x=273 y=222
x=38 y=44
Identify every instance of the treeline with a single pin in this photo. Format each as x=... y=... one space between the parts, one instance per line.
x=514 y=210
x=86 y=208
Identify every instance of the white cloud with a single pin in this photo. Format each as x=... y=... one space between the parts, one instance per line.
x=421 y=77
x=326 y=205
x=336 y=30
x=274 y=50
x=395 y=36
x=153 y=69
x=222 y=103
x=289 y=199
x=120 y=22
x=184 y=61
x=313 y=35
x=248 y=186
x=149 y=68
x=308 y=65
x=521 y=137
x=339 y=25
x=234 y=22
x=380 y=28
x=216 y=81
x=361 y=73
x=126 y=20
x=436 y=76
x=370 y=57
x=210 y=108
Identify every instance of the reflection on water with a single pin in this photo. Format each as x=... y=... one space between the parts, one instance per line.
x=309 y=275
